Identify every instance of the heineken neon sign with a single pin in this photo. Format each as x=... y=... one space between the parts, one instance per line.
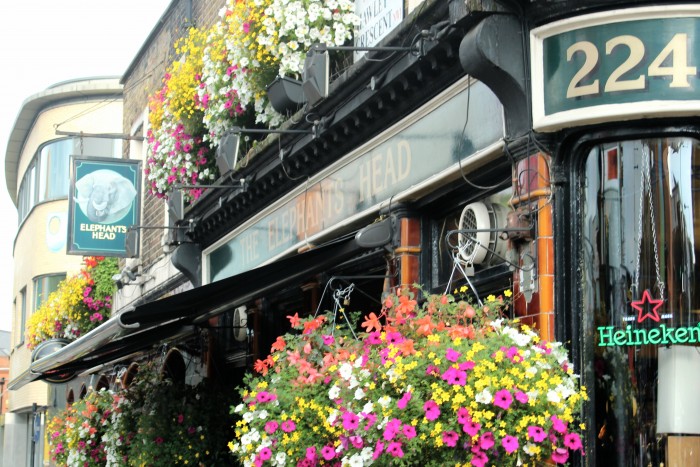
x=648 y=309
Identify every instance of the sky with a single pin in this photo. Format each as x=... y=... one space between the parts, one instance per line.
x=44 y=42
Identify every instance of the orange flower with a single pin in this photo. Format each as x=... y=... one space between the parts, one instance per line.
x=260 y=367
x=279 y=344
x=372 y=322
x=295 y=320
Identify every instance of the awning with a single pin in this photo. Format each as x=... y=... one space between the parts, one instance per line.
x=148 y=325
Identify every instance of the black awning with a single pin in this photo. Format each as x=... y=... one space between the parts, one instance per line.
x=196 y=305
x=140 y=329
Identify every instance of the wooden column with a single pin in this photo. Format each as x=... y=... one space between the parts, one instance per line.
x=408 y=251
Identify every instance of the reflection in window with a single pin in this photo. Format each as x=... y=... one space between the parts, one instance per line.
x=640 y=239
x=48 y=174
x=43 y=286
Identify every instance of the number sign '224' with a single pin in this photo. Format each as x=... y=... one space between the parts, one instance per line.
x=622 y=62
x=672 y=62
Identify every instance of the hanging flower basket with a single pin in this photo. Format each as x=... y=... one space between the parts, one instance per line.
x=440 y=383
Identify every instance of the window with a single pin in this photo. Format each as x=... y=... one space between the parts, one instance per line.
x=639 y=263
x=48 y=175
x=22 y=314
x=43 y=286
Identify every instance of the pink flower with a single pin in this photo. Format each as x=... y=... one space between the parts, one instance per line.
x=455 y=377
x=521 y=397
x=374 y=338
x=159 y=440
x=394 y=338
x=452 y=355
x=463 y=416
x=371 y=420
x=271 y=427
x=328 y=340
x=378 y=449
x=246 y=27
x=395 y=449
x=328 y=452
x=536 y=433
x=401 y=404
x=560 y=455
x=357 y=442
x=510 y=443
x=487 y=441
x=479 y=459
x=471 y=428
x=265 y=454
x=288 y=426
x=432 y=411
x=409 y=431
x=264 y=396
x=558 y=425
x=503 y=399
x=450 y=438
x=573 y=441
x=350 y=421
x=180 y=418
x=391 y=429
x=311 y=453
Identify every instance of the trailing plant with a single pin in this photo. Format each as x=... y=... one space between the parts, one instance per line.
x=79 y=304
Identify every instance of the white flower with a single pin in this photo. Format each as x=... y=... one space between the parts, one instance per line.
x=384 y=401
x=334 y=392
x=484 y=397
x=263 y=414
x=281 y=458
x=359 y=394
x=368 y=407
x=345 y=371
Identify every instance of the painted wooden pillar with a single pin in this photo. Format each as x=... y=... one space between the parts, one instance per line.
x=534 y=279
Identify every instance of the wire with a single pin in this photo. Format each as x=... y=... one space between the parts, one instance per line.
x=460 y=147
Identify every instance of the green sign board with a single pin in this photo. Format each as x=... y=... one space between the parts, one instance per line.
x=103 y=205
x=433 y=143
x=635 y=63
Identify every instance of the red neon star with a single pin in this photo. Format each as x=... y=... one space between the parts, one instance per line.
x=641 y=306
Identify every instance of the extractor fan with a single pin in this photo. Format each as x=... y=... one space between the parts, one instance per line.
x=478 y=239
x=240 y=324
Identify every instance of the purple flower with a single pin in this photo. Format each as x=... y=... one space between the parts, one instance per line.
x=510 y=443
